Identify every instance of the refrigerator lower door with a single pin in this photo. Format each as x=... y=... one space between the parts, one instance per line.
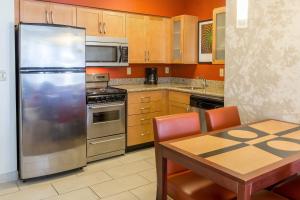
x=52 y=123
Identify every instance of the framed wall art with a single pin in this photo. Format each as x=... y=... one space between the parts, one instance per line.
x=205 y=34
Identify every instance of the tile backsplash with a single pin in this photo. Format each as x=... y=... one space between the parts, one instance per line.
x=167 y=80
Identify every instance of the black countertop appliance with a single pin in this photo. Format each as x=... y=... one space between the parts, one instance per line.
x=151 y=76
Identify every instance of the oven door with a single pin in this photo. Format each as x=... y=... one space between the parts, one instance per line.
x=105 y=119
x=100 y=54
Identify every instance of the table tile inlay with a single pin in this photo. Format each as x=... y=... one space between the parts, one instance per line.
x=204 y=144
x=273 y=126
x=244 y=160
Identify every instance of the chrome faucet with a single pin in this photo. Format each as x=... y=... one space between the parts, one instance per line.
x=204 y=81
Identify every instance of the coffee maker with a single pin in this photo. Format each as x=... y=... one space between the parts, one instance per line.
x=151 y=76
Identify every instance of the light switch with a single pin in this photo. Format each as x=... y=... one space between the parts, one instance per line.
x=221 y=72
x=128 y=70
x=2 y=75
x=167 y=70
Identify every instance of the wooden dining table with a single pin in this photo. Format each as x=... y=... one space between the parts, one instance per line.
x=243 y=159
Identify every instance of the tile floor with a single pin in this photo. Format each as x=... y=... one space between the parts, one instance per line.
x=129 y=177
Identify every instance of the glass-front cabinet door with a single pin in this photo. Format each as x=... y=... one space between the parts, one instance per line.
x=219 y=22
x=177 y=40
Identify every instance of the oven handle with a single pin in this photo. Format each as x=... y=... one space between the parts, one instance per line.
x=92 y=107
x=104 y=141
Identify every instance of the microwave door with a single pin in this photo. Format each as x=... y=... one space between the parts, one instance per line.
x=104 y=54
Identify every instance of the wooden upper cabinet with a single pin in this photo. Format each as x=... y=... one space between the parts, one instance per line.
x=34 y=11
x=157 y=37
x=113 y=24
x=91 y=20
x=101 y=23
x=50 y=13
x=148 y=39
x=184 y=39
x=218 y=50
x=63 y=14
x=135 y=32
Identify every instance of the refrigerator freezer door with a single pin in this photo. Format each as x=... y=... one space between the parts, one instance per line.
x=44 y=46
x=52 y=123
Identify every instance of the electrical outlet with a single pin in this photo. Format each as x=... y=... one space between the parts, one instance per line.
x=221 y=72
x=128 y=70
x=167 y=70
x=3 y=75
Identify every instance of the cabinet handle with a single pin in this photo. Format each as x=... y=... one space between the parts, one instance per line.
x=145 y=56
x=100 y=27
x=51 y=17
x=104 y=28
x=148 y=55
x=46 y=14
x=188 y=109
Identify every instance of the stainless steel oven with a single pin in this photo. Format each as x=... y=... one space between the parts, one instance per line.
x=105 y=119
x=106 y=51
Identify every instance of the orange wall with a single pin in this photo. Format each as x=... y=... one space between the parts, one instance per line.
x=138 y=71
x=167 y=8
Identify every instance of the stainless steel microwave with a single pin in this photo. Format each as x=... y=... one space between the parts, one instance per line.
x=106 y=51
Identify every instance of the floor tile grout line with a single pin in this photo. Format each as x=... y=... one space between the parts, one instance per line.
x=138 y=188
x=54 y=189
x=94 y=192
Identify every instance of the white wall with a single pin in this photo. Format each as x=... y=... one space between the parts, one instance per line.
x=8 y=152
x=263 y=61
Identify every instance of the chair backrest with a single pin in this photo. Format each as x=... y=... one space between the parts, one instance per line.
x=175 y=126
x=222 y=118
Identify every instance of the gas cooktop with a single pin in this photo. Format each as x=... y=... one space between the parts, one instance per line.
x=104 y=91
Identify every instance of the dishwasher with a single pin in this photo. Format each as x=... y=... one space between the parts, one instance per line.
x=201 y=103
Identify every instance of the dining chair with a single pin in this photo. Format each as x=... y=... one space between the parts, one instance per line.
x=221 y=118
x=289 y=189
x=183 y=184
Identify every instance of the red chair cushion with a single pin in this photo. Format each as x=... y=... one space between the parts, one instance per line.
x=290 y=190
x=190 y=186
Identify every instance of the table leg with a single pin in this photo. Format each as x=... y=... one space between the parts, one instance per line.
x=161 y=168
x=244 y=192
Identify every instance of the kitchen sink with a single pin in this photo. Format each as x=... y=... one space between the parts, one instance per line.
x=191 y=87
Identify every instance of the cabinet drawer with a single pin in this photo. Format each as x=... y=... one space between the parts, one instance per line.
x=179 y=97
x=145 y=97
x=143 y=108
x=139 y=134
x=142 y=119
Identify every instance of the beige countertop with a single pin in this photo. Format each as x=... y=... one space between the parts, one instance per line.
x=175 y=87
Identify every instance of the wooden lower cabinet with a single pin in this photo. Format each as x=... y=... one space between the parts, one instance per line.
x=179 y=102
x=142 y=108
x=176 y=108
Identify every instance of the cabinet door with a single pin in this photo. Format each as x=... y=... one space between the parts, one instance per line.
x=176 y=108
x=91 y=20
x=34 y=11
x=190 y=49
x=219 y=18
x=177 y=39
x=156 y=40
x=63 y=14
x=113 y=24
x=135 y=32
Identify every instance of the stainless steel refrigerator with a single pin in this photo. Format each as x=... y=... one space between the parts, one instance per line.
x=51 y=99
